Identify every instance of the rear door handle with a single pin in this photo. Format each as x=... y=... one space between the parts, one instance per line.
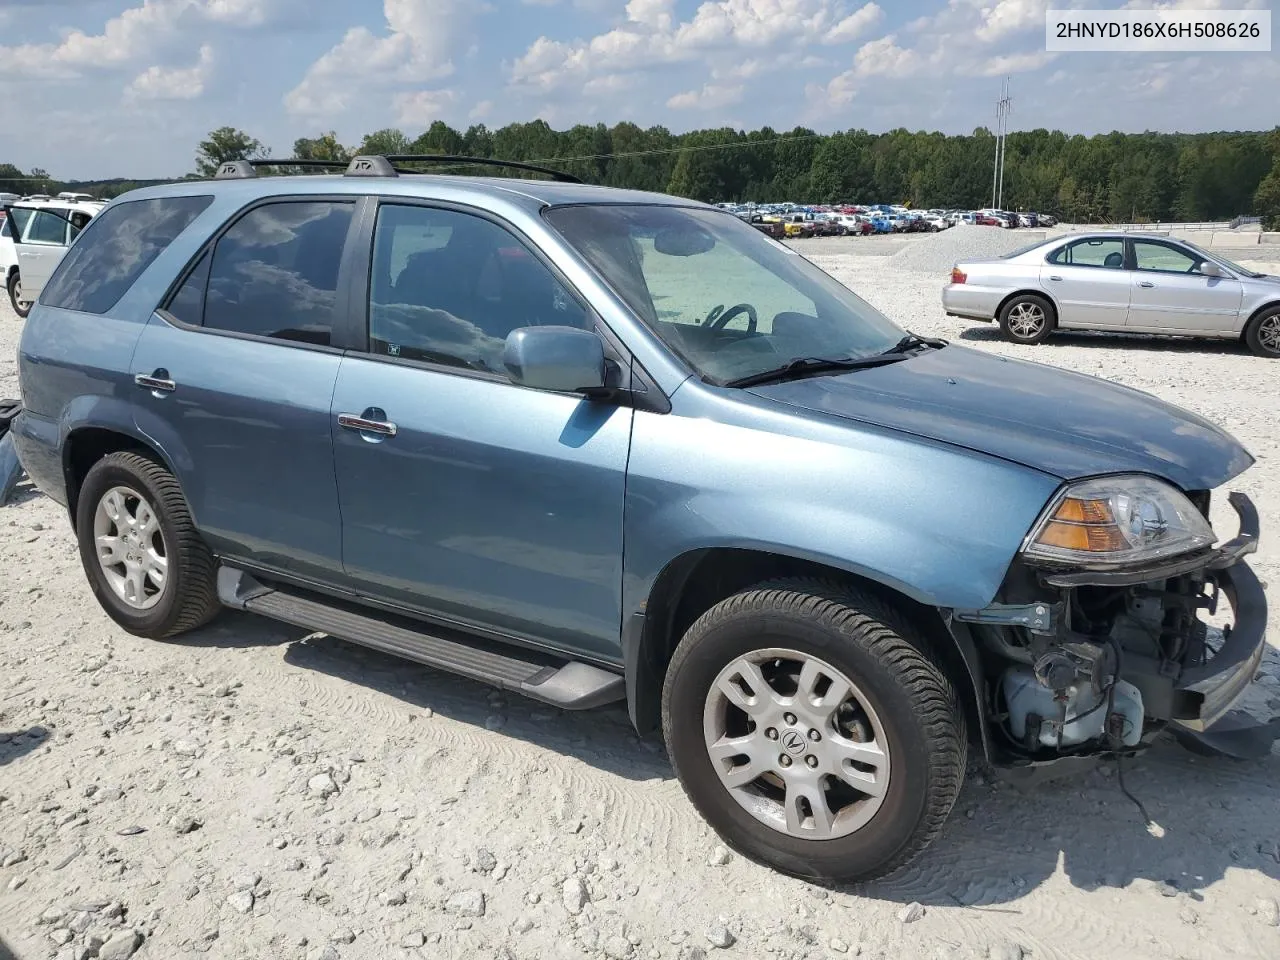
x=1145 y=283
x=1054 y=277
x=157 y=382
x=384 y=428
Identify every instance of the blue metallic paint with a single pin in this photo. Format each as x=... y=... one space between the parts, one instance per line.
x=493 y=505
x=1063 y=423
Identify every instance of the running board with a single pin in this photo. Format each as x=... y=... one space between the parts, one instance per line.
x=569 y=685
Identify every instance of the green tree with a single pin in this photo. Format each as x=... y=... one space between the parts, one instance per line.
x=384 y=143
x=323 y=147
x=223 y=144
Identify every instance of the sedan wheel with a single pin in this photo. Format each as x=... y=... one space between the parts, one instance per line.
x=21 y=305
x=1027 y=319
x=1263 y=334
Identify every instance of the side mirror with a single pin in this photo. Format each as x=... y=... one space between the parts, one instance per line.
x=562 y=359
x=1211 y=269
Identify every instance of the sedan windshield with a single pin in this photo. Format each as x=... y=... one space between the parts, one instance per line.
x=730 y=301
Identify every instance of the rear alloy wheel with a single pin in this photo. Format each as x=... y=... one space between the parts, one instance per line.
x=810 y=728
x=1027 y=319
x=1263 y=334
x=21 y=306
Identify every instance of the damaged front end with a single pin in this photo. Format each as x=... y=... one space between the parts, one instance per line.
x=1101 y=635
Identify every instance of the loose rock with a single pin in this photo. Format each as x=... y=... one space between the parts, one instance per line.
x=719 y=857
x=912 y=912
x=1004 y=950
x=720 y=937
x=413 y=940
x=485 y=861
x=120 y=947
x=573 y=895
x=322 y=785
x=466 y=903
x=1268 y=911
x=241 y=902
x=326 y=952
x=617 y=948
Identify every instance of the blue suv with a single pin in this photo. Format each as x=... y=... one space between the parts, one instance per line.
x=594 y=445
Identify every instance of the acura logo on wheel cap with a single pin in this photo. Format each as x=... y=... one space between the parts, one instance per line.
x=793 y=743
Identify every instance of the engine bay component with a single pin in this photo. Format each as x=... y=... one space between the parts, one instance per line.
x=1056 y=719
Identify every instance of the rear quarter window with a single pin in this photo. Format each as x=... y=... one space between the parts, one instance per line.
x=115 y=248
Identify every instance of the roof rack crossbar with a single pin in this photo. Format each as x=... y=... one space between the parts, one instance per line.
x=483 y=162
x=244 y=169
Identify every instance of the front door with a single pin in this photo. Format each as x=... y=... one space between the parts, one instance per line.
x=1170 y=295
x=235 y=375
x=464 y=496
x=1088 y=280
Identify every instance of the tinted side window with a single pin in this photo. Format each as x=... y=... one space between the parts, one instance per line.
x=447 y=288
x=47 y=227
x=1091 y=253
x=4 y=227
x=1162 y=258
x=116 y=247
x=275 y=272
x=20 y=218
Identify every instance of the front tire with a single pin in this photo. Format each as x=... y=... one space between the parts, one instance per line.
x=810 y=729
x=1027 y=319
x=1262 y=335
x=146 y=562
x=20 y=307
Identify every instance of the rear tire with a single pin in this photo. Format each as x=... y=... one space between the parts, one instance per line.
x=899 y=731
x=1262 y=335
x=1027 y=319
x=20 y=307
x=147 y=564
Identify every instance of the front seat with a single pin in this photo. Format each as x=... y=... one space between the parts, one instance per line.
x=1114 y=260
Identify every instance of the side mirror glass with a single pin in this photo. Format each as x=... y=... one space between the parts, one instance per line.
x=562 y=359
x=1211 y=269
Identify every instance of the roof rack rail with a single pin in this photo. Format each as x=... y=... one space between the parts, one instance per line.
x=483 y=162
x=380 y=166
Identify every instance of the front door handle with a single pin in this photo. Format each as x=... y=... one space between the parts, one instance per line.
x=158 y=382
x=1145 y=283
x=383 y=428
x=1054 y=277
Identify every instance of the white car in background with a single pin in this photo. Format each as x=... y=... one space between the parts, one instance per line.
x=33 y=239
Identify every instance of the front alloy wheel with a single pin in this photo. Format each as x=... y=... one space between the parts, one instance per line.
x=796 y=744
x=811 y=726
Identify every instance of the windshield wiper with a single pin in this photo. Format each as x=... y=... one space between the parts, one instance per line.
x=913 y=340
x=809 y=366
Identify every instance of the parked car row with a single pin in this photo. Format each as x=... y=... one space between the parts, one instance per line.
x=788 y=220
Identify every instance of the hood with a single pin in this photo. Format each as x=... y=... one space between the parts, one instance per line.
x=1066 y=424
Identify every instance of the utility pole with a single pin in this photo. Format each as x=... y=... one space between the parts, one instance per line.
x=1003 y=107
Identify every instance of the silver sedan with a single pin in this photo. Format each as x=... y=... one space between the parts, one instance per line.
x=1126 y=282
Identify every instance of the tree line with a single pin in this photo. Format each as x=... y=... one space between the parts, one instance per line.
x=1114 y=177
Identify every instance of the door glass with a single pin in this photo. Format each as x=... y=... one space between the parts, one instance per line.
x=20 y=218
x=1162 y=258
x=1108 y=252
x=47 y=227
x=78 y=222
x=448 y=287
x=187 y=304
x=275 y=272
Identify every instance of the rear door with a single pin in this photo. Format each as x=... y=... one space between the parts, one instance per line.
x=1088 y=280
x=237 y=370
x=1170 y=295
x=41 y=248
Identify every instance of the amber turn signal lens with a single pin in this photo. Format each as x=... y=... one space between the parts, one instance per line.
x=1084 y=511
x=1087 y=538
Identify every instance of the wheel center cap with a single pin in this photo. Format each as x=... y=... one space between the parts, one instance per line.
x=793 y=742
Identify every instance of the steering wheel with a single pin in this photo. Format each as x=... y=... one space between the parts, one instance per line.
x=719 y=318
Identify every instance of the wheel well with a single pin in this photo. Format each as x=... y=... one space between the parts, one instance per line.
x=1053 y=307
x=1253 y=316
x=694 y=583
x=85 y=447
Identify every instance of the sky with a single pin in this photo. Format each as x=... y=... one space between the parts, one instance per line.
x=103 y=88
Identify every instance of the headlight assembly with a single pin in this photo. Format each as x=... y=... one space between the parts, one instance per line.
x=1114 y=521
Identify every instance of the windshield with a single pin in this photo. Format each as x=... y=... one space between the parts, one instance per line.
x=730 y=301
x=1235 y=267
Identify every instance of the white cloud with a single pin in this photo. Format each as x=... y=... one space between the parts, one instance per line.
x=418 y=47
x=137 y=33
x=173 y=83
x=651 y=37
x=1011 y=16
x=712 y=96
x=421 y=108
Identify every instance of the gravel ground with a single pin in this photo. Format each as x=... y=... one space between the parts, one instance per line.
x=961 y=242
x=251 y=792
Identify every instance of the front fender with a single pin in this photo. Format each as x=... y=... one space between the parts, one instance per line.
x=937 y=523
